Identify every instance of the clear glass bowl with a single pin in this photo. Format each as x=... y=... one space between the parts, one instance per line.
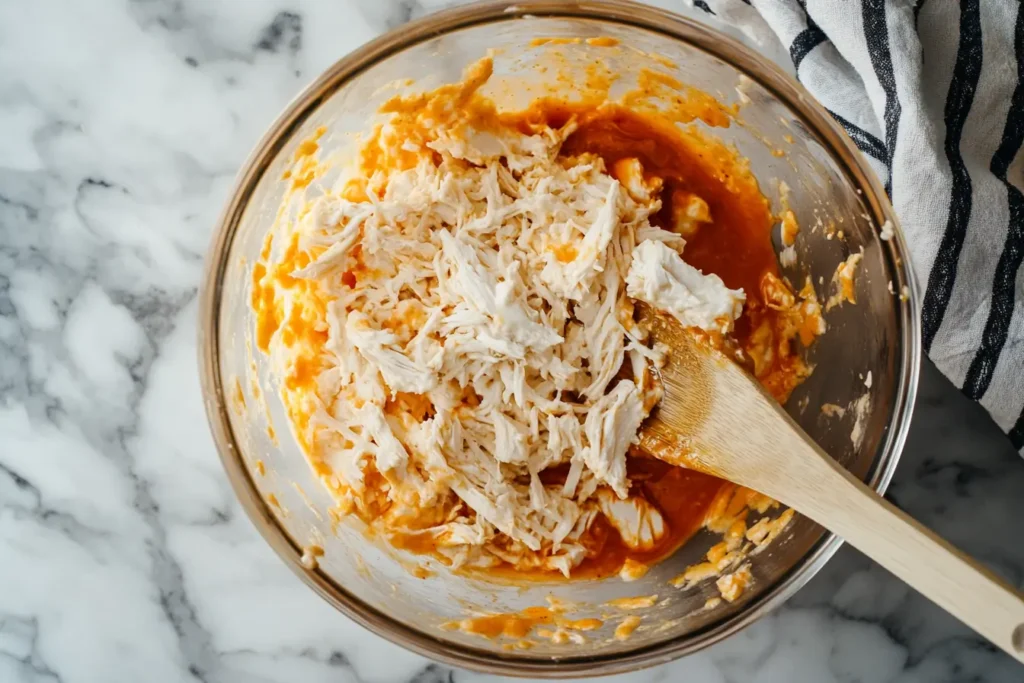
x=828 y=180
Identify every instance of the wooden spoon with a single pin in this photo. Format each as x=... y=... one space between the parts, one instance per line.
x=715 y=417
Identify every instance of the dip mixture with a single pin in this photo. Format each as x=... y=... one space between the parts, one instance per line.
x=453 y=325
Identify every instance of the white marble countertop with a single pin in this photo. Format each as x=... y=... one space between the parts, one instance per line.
x=123 y=554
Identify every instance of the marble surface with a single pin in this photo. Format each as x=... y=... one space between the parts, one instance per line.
x=123 y=555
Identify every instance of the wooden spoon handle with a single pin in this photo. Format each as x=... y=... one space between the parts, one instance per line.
x=839 y=501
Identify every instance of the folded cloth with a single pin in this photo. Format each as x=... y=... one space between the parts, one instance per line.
x=932 y=93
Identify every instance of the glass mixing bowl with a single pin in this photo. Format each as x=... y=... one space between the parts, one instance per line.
x=828 y=182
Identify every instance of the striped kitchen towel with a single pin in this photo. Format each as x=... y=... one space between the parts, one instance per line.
x=932 y=92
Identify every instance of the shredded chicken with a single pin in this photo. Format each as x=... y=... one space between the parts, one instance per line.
x=657 y=275
x=473 y=337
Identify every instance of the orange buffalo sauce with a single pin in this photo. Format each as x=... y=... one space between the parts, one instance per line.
x=682 y=496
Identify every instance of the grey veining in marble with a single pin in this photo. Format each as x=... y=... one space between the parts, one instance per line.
x=123 y=555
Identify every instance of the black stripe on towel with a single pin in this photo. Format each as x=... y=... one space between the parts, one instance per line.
x=701 y=4
x=805 y=41
x=966 y=72
x=979 y=375
x=876 y=33
x=865 y=141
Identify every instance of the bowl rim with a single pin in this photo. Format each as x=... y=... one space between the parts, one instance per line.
x=622 y=12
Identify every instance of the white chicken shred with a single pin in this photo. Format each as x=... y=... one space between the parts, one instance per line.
x=659 y=276
x=487 y=284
